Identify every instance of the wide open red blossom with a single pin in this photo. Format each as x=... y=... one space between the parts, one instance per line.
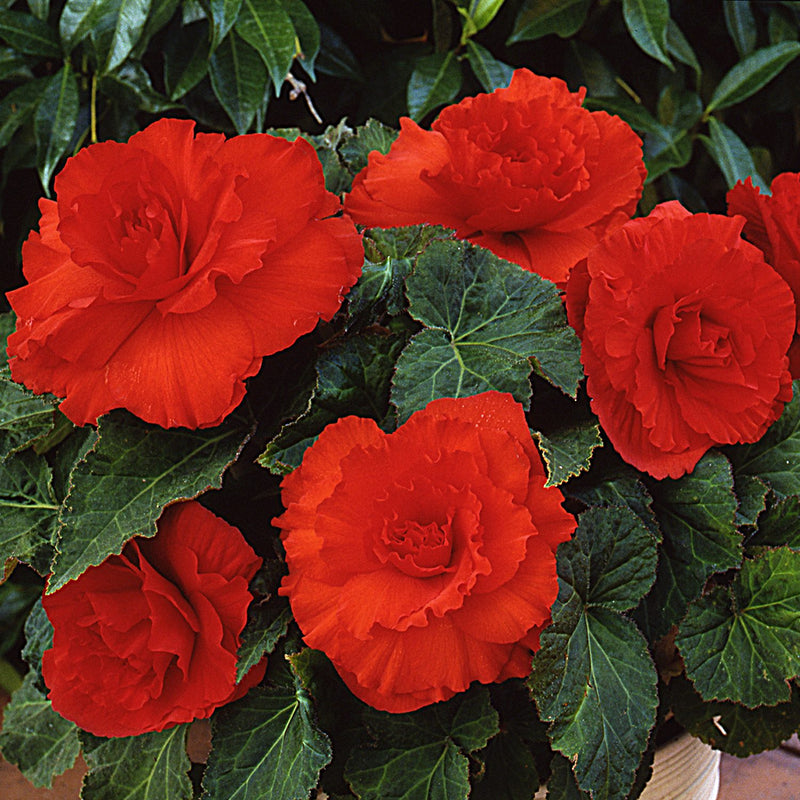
x=685 y=330
x=526 y=172
x=423 y=560
x=773 y=225
x=170 y=265
x=148 y=639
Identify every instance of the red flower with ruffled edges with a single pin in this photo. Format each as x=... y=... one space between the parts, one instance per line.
x=526 y=172
x=685 y=330
x=423 y=560
x=773 y=225
x=148 y=639
x=169 y=266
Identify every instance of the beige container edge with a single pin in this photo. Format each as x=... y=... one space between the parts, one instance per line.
x=683 y=769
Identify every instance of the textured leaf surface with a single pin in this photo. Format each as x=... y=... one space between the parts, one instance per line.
x=120 y=488
x=593 y=678
x=486 y=321
x=434 y=82
x=223 y=15
x=266 y=745
x=77 y=20
x=422 y=755
x=150 y=766
x=492 y=74
x=18 y=106
x=776 y=456
x=742 y=643
x=568 y=451
x=29 y=510
x=128 y=22
x=732 y=156
x=28 y=35
x=697 y=516
x=54 y=121
x=779 y=525
x=267 y=622
x=40 y=742
x=24 y=417
x=537 y=18
x=647 y=22
x=265 y=26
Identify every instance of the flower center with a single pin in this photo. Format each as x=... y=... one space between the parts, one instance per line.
x=682 y=334
x=418 y=549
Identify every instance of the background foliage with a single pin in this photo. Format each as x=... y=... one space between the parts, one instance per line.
x=712 y=89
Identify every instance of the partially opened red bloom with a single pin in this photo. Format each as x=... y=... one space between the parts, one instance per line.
x=773 y=225
x=685 y=330
x=526 y=172
x=170 y=265
x=424 y=560
x=148 y=638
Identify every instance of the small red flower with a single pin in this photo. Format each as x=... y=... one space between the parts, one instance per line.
x=148 y=639
x=526 y=172
x=423 y=560
x=773 y=225
x=170 y=265
x=685 y=330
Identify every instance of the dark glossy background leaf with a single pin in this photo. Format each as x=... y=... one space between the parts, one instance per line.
x=54 y=121
x=434 y=82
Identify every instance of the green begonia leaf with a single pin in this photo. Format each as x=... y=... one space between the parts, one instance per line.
x=593 y=678
x=751 y=493
x=121 y=486
x=492 y=74
x=742 y=643
x=29 y=35
x=372 y=135
x=150 y=766
x=647 y=22
x=24 y=417
x=779 y=525
x=510 y=770
x=486 y=321
x=538 y=18
x=239 y=79
x=266 y=745
x=422 y=755
x=268 y=29
x=125 y=22
x=434 y=82
x=29 y=510
x=697 y=516
x=77 y=20
x=54 y=122
x=568 y=451
x=307 y=32
x=731 y=727
x=186 y=59
x=222 y=15
x=751 y=74
x=40 y=742
x=775 y=457
x=38 y=636
x=267 y=622
x=353 y=378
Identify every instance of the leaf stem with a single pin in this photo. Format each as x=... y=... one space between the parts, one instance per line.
x=93 y=107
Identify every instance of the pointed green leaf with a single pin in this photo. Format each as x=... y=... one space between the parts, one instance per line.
x=538 y=18
x=751 y=74
x=491 y=73
x=150 y=766
x=779 y=525
x=647 y=22
x=127 y=22
x=732 y=156
x=781 y=26
x=265 y=26
x=29 y=35
x=373 y=135
x=39 y=8
x=14 y=65
x=741 y=25
x=120 y=488
x=307 y=33
x=239 y=80
x=486 y=321
x=223 y=15
x=678 y=46
x=24 y=417
x=697 y=515
x=422 y=755
x=434 y=82
x=635 y=114
x=186 y=58
x=40 y=742
x=662 y=154
x=266 y=745
x=132 y=86
x=568 y=451
x=352 y=378
x=77 y=20
x=742 y=642
x=775 y=457
x=29 y=509
x=38 y=637
x=54 y=122
x=267 y=622
x=336 y=58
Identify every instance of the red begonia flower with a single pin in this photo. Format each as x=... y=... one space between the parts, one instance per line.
x=423 y=560
x=148 y=639
x=773 y=225
x=170 y=265
x=685 y=330
x=526 y=172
